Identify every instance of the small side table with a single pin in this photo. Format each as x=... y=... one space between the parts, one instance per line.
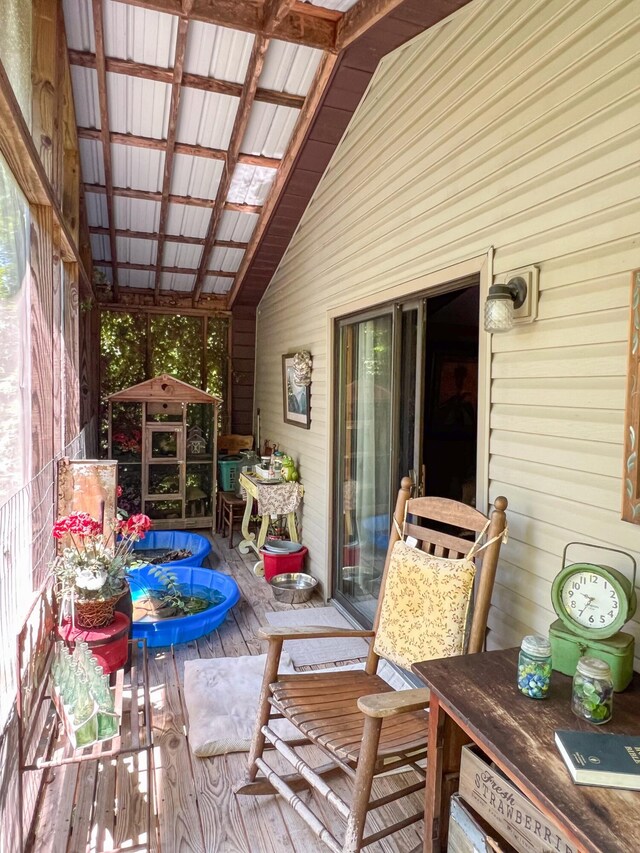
x=109 y=645
x=267 y=493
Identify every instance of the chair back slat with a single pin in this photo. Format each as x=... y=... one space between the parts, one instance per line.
x=443 y=511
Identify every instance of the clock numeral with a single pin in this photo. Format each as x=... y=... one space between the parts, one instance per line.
x=573 y=604
x=614 y=604
x=612 y=593
x=591 y=620
x=611 y=614
x=575 y=585
x=606 y=585
x=570 y=593
x=602 y=620
x=593 y=578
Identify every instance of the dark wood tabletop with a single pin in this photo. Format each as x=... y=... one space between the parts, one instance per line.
x=479 y=692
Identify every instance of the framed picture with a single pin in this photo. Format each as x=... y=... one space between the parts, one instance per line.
x=295 y=398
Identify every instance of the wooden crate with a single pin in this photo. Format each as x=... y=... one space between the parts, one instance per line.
x=468 y=833
x=505 y=809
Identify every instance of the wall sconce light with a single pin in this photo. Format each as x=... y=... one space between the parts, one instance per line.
x=513 y=302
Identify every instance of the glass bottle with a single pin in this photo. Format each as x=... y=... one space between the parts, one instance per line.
x=592 y=693
x=84 y=719
x=534 y=666
x=108 y=723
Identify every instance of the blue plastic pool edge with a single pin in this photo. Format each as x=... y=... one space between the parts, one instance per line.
x=177 y=540
x=182 y=629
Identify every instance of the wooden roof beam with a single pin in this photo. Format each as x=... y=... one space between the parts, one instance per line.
x=151 y=142
x=307 y=114
x=104 y=125
x=176 y=89
x=254 y=68
x=359 y=18
x=152 y=267
x=147 y=195
x=190 y=81
x=298 y=26
x=170 y=238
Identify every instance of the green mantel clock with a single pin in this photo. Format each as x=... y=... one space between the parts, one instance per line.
x=593 y=603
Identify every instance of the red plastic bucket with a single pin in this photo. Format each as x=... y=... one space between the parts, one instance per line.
x=108 y=645
x=279 y=564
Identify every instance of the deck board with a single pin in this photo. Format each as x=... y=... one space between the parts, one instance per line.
x=194 y=805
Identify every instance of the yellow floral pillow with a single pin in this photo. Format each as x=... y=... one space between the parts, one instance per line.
x=425 y=606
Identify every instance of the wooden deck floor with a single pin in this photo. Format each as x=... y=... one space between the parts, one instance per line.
x=194 y=805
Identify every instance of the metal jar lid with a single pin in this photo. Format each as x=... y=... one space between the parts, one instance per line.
x=594 y=668
x=536 y=646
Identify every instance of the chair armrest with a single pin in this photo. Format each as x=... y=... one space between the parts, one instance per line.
x=396 y=702
x=309 y=632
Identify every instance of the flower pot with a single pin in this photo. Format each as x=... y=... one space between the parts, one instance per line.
x=95 y=613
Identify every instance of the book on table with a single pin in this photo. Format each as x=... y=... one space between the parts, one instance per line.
x=595 y=758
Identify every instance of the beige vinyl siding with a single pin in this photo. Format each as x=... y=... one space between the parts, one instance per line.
x=513 y=125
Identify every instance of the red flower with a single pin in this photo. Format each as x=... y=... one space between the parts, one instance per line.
x=77 y=523
x=136 y=525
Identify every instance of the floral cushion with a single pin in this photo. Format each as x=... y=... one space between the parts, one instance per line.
x=425 y=606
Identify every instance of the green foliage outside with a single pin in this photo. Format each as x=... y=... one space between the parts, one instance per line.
x=174 y=345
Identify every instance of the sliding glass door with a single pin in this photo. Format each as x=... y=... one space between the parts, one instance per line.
x=370 y=351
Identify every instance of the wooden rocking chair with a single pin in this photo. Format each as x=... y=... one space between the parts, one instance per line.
x=361 y=724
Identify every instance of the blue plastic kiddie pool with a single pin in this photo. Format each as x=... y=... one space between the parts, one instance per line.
x=181 y=629
x=176 y=540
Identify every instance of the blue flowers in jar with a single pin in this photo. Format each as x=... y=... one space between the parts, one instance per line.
x=534 y=666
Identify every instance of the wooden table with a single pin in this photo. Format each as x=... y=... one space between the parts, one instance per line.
x=252 y=486
x=474 y=698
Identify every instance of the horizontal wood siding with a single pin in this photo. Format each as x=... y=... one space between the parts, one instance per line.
x=513 y=125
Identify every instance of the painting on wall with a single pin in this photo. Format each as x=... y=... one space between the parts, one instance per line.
x=295 y=397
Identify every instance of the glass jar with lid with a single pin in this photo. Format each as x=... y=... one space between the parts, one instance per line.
x=534 y=666
x=592 y=693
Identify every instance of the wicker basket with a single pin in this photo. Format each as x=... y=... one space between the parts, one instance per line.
x=97 y=613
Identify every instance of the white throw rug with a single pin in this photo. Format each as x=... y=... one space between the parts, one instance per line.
x=312 y=652
x=221 y=695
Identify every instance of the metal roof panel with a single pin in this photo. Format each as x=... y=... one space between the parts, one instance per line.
x=289 y=67
x=96 y=207
x=216 y=284
x=85 y=96
x=336 y=5
x=269 y=129
x=139 y=34
x=107 y=272
x=136 y=214
x=251 y=184
x=177 y=281
x=217 y=52
x=138 y=106
x=137 y=168
x=228 y=260
x=78 y=25
x=136 y=278
x=206 y=118
x=196 y=176
x=181 y=255
x=132 y=250
x=100 y=248
x=188 y=221
x=236 y=226
x=91 y=161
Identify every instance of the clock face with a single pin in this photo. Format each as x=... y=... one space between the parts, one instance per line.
x=590 y=600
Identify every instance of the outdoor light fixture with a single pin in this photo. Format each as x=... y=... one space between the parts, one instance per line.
x=501 y=302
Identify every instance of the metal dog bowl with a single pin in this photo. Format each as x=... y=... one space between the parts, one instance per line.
x=293 y=587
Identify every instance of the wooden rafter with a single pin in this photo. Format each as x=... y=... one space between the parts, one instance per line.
x=360 y=17
x=171 y=238
x=104 y=127
x=189 y=201
x=176 y=89
x=254 y=68
x=154 y=144
x=300 y=25
x=190 y=81
x=274 y=13
x=152 y=267
x=314 y=97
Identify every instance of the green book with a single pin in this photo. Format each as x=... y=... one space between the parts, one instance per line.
x=612 y=761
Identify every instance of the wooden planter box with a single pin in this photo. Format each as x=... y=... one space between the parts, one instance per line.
x=505 y=809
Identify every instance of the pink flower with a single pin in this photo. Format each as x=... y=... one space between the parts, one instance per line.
x=136 y=525
x=78 y=524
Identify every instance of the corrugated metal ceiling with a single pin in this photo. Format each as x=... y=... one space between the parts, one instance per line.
x=206 y=118
x=227 y=260
x=142 y=35
x=137 y=168
x=236 y=226
x=196 y=176
x=137 y=106
x=289 y=67
x=177 y=281
x=187 y=221
x=78 y=20
x=216 y=284
x=336 y=5
x=91 y=161
x=85 y=96
x=269 y=130
x=96 y=206
x=217 y=52
x=181 y=255
x=136 y=278
x=135 y=251
x=135 y=214
x=251 y=184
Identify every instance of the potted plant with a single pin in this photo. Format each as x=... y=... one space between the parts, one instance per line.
x=91 y=573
